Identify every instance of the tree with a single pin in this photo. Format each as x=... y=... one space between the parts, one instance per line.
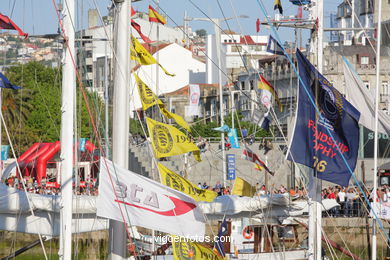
x=201 y=33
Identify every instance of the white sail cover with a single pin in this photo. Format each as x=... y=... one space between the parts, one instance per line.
x=143 y=202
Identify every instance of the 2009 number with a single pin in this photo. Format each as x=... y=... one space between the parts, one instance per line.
x=319 y=166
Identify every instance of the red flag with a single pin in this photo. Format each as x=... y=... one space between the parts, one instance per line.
x=133 y=12
x=251 y=156
x=258 y=25
x=8 y=24
x=137 y=27
x=299 y=16
x=155 y=17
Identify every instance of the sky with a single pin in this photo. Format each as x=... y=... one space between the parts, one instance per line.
x=39 y=16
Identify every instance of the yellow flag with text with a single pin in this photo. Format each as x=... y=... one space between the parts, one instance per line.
x=183 y=249
x=242 y=188
x=175 y=181
x=148 y=98
x=142 y=56
x=167 y=140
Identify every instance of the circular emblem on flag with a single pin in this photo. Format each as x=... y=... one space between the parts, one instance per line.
x=146 y=95
x=185 y=251
x=194 y=98
x=162 y=139
x=266 y=102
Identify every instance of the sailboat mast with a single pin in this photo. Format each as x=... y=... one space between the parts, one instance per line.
x=378 y=71
x=120 y=138
x=67 y=135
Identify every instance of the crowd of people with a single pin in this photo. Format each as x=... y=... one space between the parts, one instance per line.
x=49 y=188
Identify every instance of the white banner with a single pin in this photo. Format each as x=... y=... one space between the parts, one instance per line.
x=193 y=109
x=146 y=203
x=382 y=210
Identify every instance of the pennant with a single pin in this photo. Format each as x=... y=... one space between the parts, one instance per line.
x=142 y=56
x=137 y=27
x=268 y=92
x=251 y=156
x=8 y=24
x=311 y=144
x=176 y=182
x=5 y=83
x=361 y=98
x=242 y=188
x=146 y=203
x=168 y=141
x=155 y=17
x=258 y=25
x=274 y=46
x=133 y=13
x=218 y=245
x=179 y=120
x=183 y=249
x=222 y=129
x=148 y=98
x=278 y=5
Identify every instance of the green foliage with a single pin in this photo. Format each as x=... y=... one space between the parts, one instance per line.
x=33 y=114
x=135 y=127
x=201 y=33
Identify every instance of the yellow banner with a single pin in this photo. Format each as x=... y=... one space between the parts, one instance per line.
x=142 y=56
x=179 y=120
x=175 y=181
x=148 y=98
x=243 y=188
x=168 y=141
x=183 y=250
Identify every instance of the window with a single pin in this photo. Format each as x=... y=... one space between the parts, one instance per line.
x=236 y=48
x=242 y=85
x=366 y=84
x=251 y=84
x=384 y=92
x=364 y=60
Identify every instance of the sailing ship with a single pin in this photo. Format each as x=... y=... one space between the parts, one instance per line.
x=260 y=227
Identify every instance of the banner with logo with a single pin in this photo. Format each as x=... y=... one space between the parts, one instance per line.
x=233 y=138
x=321 y=141
x=382 y=210
x=148 y=98
x=193 y=109
x=176 y=182
x=169 y=141
x=146 y=203
x=183 y=249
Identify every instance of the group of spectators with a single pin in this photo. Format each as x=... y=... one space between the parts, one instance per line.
x=48 y=188
x=218 y=188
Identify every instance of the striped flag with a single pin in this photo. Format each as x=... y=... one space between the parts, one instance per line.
x=278 y=5
x=155 y=17
x=251 y=156
x=268 y=92
x=274 y=46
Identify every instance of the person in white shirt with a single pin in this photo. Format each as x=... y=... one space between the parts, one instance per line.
x=350 y=196
x=341 y=200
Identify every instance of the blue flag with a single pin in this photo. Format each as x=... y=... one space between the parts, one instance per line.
x=224 y=128
x=5 y=83
x=218 y=245
x=274 y=46
x=312 y=145
x=233 y=138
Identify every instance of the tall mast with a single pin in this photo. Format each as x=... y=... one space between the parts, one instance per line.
x=378 y=71
x=67 y=134
x=120 y=138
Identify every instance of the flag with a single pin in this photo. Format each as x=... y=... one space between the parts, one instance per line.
x=5 y=83
x=176 y=182
x=312 y=143
x=146 y=203
x=155 y=17
x=261 y=118
x=222 y=129
x=274 y=46
x=267 y=92
x=258 y=25
x=361 y=98
x=218 y=245
x=137 y=27
x=168 y=141
x=194 y=100
x=278 y=5
x=8 y=24
x=148 y=98
x=242 y=188
x=133 y=12
x=184 y=249
x=233 y=138
x=179 y=120
x=142 y=56
x=251 y=156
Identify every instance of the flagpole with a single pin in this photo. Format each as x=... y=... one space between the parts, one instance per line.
x=378 y=67
x=120 y=137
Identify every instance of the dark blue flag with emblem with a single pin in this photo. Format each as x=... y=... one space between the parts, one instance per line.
x=312 y=143
x=218 y=245
x=5 y=83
